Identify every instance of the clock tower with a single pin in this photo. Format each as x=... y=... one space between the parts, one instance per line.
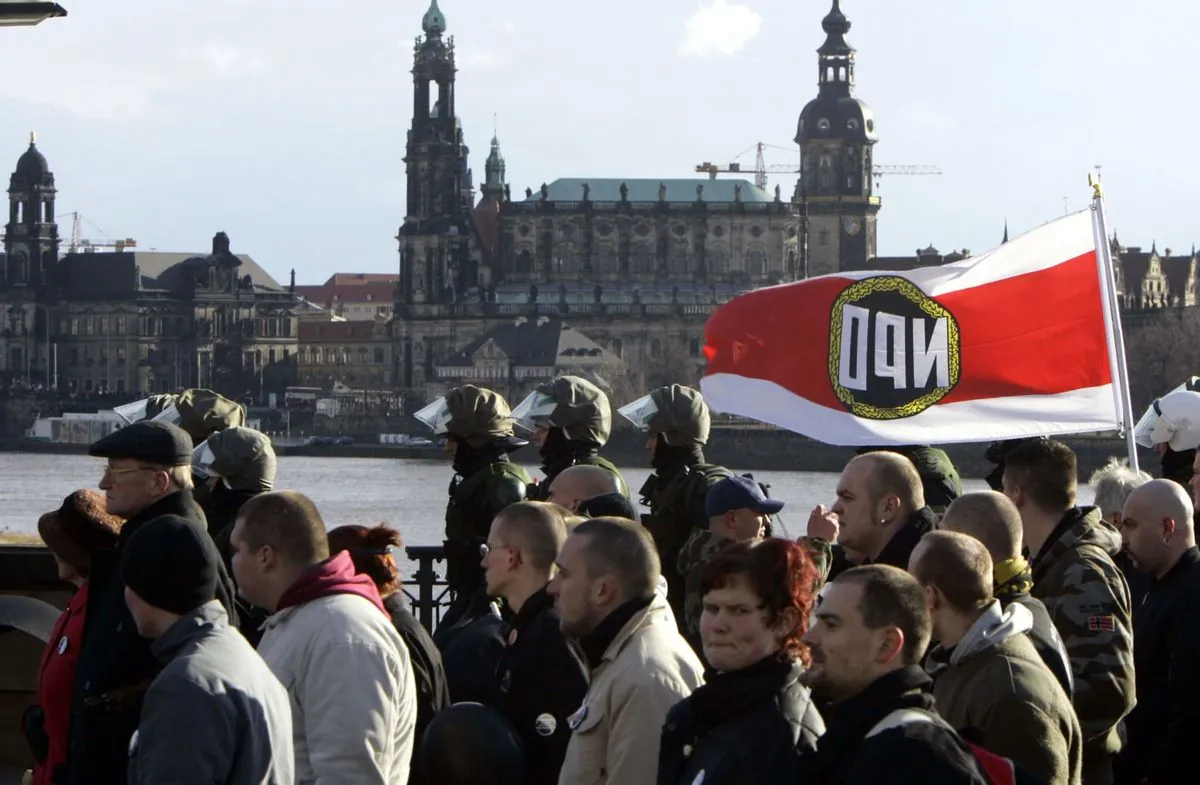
x=31 y=236
x=836 y=134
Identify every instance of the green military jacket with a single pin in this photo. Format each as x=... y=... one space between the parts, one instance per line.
x=475 y=501
x=1088 y=601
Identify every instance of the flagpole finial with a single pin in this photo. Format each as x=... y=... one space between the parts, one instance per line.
x=1097 y=191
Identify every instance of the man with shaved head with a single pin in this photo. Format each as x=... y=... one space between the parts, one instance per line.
x=541 y=682
x=880 y=512
x=993 y=519
x=575 y=484
x=1158 y=533
x=987 y=676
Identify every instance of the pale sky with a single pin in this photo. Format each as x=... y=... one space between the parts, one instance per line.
x=282 y=122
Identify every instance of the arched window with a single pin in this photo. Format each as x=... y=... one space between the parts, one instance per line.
x=655 y=348
x=618 y=347
x=378 y=355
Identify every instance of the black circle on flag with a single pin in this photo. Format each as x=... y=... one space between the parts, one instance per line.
x=893 y=350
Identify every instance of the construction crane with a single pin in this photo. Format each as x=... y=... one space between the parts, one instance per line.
x=761 y=169
x=78 y=243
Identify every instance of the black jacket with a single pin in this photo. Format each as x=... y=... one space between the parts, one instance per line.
x=741 y=728
x=916 y=754
x=1046 y=640
x=898 y=549
x=115 y=664
x=1165 y=724
x=433 y=691
x=471 y=648
x=541 y=683
x=221 y=509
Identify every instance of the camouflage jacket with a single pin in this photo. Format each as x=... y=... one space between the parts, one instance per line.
x=701 y=546
x=1088 y=601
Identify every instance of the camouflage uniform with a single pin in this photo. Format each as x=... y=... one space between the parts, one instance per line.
x=1088 y=601
x=201 y=412
x=700 y=548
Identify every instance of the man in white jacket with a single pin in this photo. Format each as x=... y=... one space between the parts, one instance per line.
x=331 y=643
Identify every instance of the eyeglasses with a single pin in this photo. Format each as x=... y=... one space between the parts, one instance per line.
x=485 y=549
x=111 y=472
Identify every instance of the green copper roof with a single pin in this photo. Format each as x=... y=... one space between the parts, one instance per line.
x=606 y=189
x=434 y=21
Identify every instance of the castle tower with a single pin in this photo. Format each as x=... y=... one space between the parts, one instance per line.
x=31 y=236
x=836 y=134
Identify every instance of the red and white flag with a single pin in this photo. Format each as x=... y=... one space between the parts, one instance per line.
x=1015 y=342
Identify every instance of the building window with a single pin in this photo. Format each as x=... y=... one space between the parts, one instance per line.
x=101 y=325
x=120 y=328
x=823 y=237
x=655 y=348
x=121 y=354
x=271 y=356
x=362 y=355
x=120 y=386
x=75 y=326
x=378 y=356
x=694 y=347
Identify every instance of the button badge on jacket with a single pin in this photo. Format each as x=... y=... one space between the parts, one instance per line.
x=578 y=717
x=62 y=645
x=545 y=725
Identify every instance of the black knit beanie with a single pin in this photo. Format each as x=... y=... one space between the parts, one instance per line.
x=172 y=564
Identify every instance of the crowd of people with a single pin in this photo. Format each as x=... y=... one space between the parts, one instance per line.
x=914 y=633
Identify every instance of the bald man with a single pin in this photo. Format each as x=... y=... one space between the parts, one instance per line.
x=575 y=484
x=987 y=675
x=1158 y=532
x=994 y=520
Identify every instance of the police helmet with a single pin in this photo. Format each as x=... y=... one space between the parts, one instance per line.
x=676 y=412
x=572 y=403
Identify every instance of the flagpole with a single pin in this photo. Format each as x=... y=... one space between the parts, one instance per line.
x=1112 y=312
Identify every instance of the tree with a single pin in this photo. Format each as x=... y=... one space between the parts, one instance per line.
x=1161 y=353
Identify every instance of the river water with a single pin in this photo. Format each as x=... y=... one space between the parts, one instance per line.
x=409 y=495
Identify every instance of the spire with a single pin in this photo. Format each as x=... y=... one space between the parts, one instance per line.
x=32 y=138
x=1154 y=248
x=434 y=21
x=493 y=185
x=836 y=26
x=1005 y=240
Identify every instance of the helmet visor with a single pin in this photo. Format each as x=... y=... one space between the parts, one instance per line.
x=535 y=410
x=640 y=412
x=203 y=460
x=435 y=415
x=132 y=412
x=169 y=414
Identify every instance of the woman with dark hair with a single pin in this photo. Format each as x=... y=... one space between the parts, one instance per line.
x=752 y=719
x=370 y=549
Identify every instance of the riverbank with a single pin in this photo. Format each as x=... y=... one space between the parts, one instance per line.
x=739 y=448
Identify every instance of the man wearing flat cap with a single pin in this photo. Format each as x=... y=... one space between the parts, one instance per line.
x=148 y=475
x=216 y=713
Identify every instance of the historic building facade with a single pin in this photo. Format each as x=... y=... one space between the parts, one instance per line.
x=635 y=264
x=133 y=322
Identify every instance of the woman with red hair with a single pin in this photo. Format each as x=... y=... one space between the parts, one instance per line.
x=371 y=552
x=752 y=719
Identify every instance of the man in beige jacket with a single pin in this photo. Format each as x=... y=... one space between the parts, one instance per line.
x=640 y=666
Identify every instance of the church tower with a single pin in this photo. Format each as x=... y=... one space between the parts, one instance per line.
x=435 y=264
x=493 y=186
x=836 y=135
x=31 y=236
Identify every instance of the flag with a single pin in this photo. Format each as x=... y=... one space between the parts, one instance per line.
x=1012 y=343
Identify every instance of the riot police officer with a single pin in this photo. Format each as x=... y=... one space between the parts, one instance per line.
x=478 y=427
x=677 y=422
x=570 y=420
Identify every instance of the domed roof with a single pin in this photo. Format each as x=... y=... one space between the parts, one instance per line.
x=32 y=164
x=837 y=118
x=434 y=21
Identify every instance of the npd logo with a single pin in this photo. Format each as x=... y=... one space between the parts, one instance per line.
x=893 y=351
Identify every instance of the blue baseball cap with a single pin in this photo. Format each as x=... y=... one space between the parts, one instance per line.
x=739 y=493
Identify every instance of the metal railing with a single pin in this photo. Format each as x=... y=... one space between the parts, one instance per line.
x=32 y=570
